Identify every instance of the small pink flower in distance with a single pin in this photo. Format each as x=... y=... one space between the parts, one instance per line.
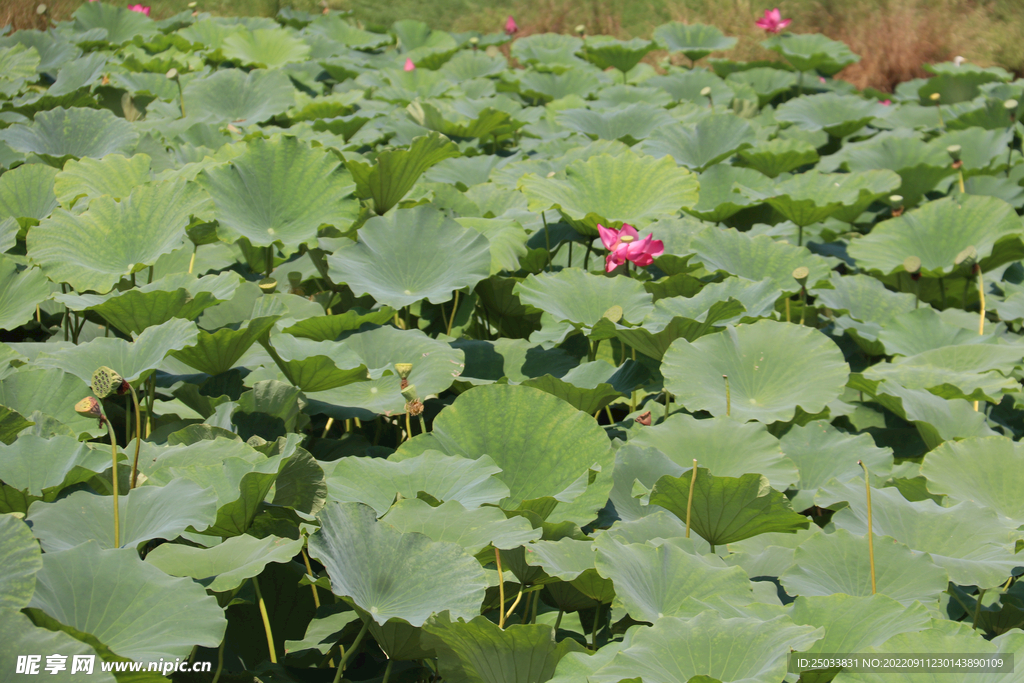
x=139 y=8
x=886 y=103
x=623 y=246
x=409 y=66
x=821 y=79
x=772 y=21
x=510 y=26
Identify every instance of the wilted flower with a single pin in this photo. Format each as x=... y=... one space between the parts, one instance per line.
x=139 y=8
x=409 y=66
x=623 y=245
x=510 y=26
x=90 y=407
x=644 y=419
x=772 y=21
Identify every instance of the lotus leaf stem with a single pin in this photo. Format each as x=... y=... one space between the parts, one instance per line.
x=558 y=619
x=608 y=412
x=408 y=427
x=501 y=589
x=455 y=308
x=423 y=424
x=871 y=543
x=803 y=303
x=266 y=620
x=387 y=670
x=309 y=570
x=138 y=437
x=270 y=261
x=689 y=498
x=586 y=259
x=547 y=242
x=977 y=609
x=150 y=399
x=515 y=603
x=787 y=310
x=593 y=633
x=962 y=190
x=192 y=261
x=348 y=652
x=327 y=427
x=536 y=603
x=668 y=403
x=728 y=397
x=220 y=661
x=113 y=482
x=942 y=290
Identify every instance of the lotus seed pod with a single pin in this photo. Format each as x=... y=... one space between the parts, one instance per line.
x=255 y=441
x=614 y=313
x=107 y=382
x=705 y=91
x=89 y=407
x=192 y=5
x=934 y=97
x=896 y=198
x=41 y=9
x=954 y=152
x=967 y=257
x=912 y=264
x=581 y=29
x=172 y=74
x=474 y=41
x=267 y=284
x=409 y=392
x=403 y=369
x=801 y=274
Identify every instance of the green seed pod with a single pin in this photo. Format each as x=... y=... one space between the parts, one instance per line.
x=403 y=369
x=410 y=393
x=89 y=407
x=255 y=441
x=107 y=382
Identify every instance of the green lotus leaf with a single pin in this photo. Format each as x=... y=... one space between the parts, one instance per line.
x=696 y=41
x=968 y=371
x=21 y=637
x=727 y=509
x=723 y=447
x=547 y=87
x=920 y=166
x=813 y=196
x=1006 y=189
x=217 y=352
x=19 y=62
x=112 y=239
x=852 y=623
x=870 y=306
x=925 y=329
x=767 y=82
x=395 y=172
x=397 y=270
x=26 y=194
x=435 y=364
x=265 y=48
x=516 y=427
x=279 y=192
x=708 y=647
x=630 y=123
x=227 y=565
x=763 y=363
x=980 y=150
x=607 y=52
x=119 y=24
x=32 y=389
x=572 y=561
x=507 y=238
x=612 y=190
x=53 y=48
x=822 y=453
x=465 y=119
x=474 y=529
x=234 y=96
x=331 y=327
x=20 y=292
x=578 y=297
x=325 y=629
x=376 y=482
x=378 y=567
x=655 y=582
x=592 y=386
x=718 y=197
x=757 y=258
x=812 y=52
x=937 y=232
x=59 y=134
x=131 y=359
x=517 y=359
x=968 y=541
x=22 y=560
x=334 y=27
x=677 y=318
x=687 y=86
x=549 y=51
x=467 y=65
x=477 y=650
x=838 y=115
x=713 y=139
x=111 y=594
x=981 y=470
x=635 y=467
x=780 y=155
x=757 y=298
x=146 y=513
x=112 y=175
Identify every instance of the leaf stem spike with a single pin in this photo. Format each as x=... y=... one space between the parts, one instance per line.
x=346 y=654
x=501 y=590
x=728 y=397
x=266 y=621
x=689 y=500
x=800 y=275
x=935 y=97
x=871 y=543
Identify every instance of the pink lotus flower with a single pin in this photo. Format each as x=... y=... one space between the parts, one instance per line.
x=409 y=66
x=510 y=26
x=886 y=103
x=772 y=21
x=623 y=245
x=139 y=8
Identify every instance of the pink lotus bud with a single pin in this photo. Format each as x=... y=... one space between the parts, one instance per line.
x=510 y=26
x=409 y=66
x=772 y=21
x=139 y=8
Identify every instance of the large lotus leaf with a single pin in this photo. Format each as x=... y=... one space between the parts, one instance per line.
x=687 y=86
x=757 y=298
x=119 y=24
x=32 y=389
x=542 y=444
x=980 y=150
x=727 y=509
x=612 y=190
x=696 y=41
x=410 y=255
x=578 y=297
x=721 y=446
x=20 y=292
x=77 y=132
x=811 y=197
x=968 y=541
x=113 y=596
x=226 y=565
x=435 y=364
x=394 y=575
x=467 y=65
x=113 y=175
x=265 y=48
x=839 y=563
x=334 y=27
x=517 y=359
x=870 y=307
x=39 y=468
x=920 y=166
x=838 y=115
x=757 y=258
x=767 y=82
x=812 y=51
x=550 y=51
x=592 y=386
x=718 y=197
x=546 y=87
x=478 y=651
x=146 y=513
x=331 y=327
x=711 y=140
x=376 y=481
x=462 y=119
x=764 y=363
x=981 y=470
x=639 y=467
x=780 y=155
x=822 y=453
x=936 y=418
x=508 y=238
x=20 y=638
x=853 y=623
x=279 y=191
x=395 y=171
x=113 y=239
x=19 y=63
x=655 y=582
x=709 y=648
x=21 y=560
x=926 y=329
x=967 y=371
x=630 y=123
x=606 y=51
x=53 y=48
x=678 y=317
x=474 y=529
x=937 y=232
x=26 y=193
x=234 y=96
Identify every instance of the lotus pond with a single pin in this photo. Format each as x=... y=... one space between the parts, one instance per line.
x=331 y=354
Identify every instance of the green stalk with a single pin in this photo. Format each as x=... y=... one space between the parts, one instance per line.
x=220 y=662
x=387 y=670
x=728 y=397
x=451 y=320
x=270 y=261
x=501 y=590
x=689 y=499
x=558 y=620
x=138 y=437
x=593 y=634
x=977 y=609
x=348 y=653
x=266 y=621
x=668 y=402
x=871 y=543
x=113 y=480
x=547 y=241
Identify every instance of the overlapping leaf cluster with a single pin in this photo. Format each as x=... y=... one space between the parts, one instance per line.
x=397 y=420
